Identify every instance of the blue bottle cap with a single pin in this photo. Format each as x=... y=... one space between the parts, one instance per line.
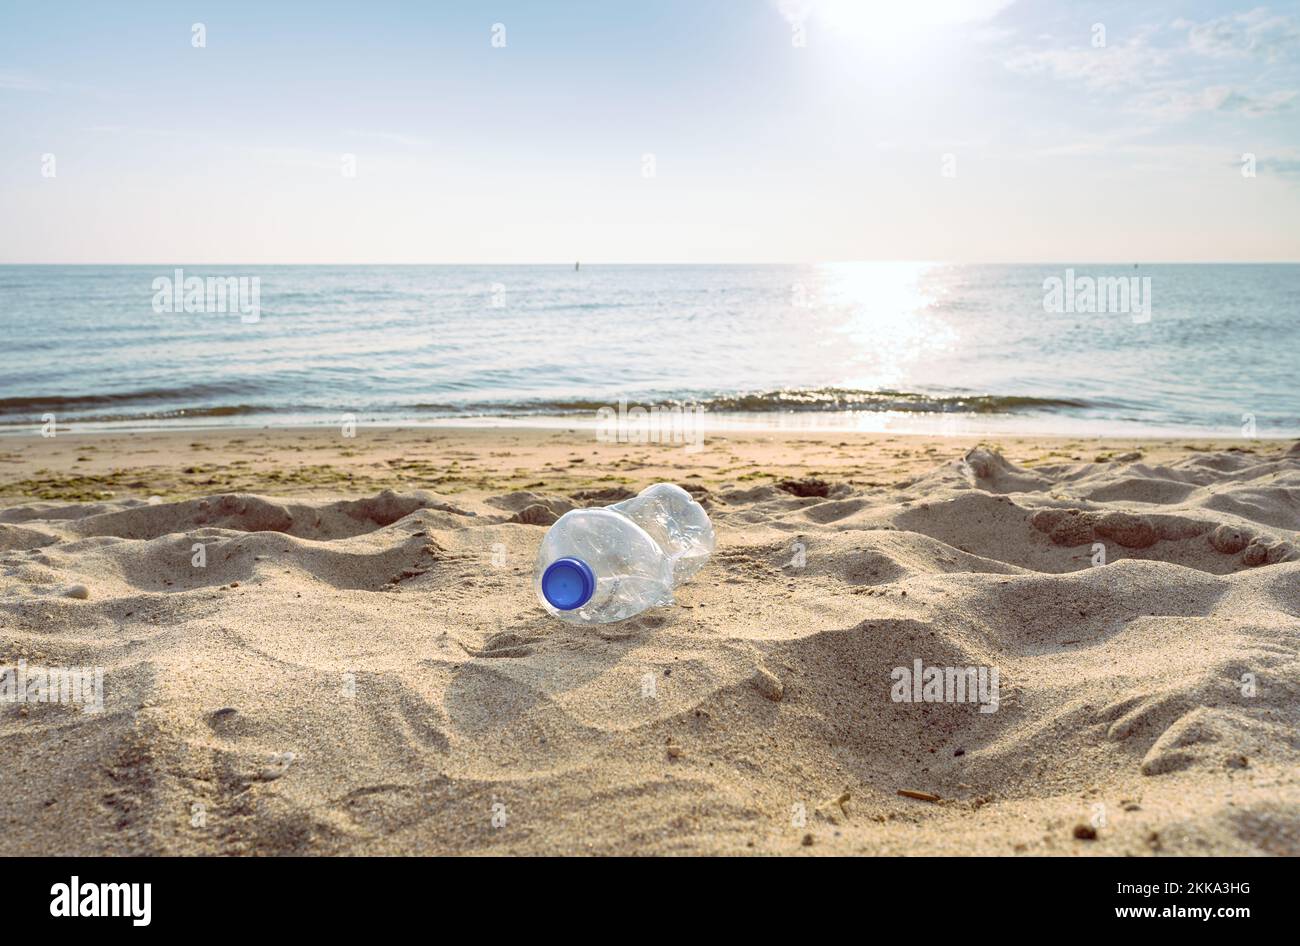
x=568 y=583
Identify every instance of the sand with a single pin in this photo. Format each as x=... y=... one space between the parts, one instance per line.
x=358 y=664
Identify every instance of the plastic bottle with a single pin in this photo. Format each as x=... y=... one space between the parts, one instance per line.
x=601 y=565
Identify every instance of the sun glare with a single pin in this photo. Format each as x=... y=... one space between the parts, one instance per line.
x=856 y=19
x=888 y=324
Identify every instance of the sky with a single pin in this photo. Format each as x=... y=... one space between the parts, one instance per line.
x=696 y=131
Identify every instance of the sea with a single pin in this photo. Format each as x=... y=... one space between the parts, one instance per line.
x=1178 y=350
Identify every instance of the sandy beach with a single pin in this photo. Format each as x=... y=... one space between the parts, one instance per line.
x=355 y=661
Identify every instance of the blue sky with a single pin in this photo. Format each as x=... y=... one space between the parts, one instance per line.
x=763 y=148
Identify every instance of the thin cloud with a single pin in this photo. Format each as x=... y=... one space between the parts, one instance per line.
x=1174 y=102
x=1284 y=167
x=1258 y=34
x=1279 y=162
x=1232 y=100
x=1101 y=69
x=1150 y=73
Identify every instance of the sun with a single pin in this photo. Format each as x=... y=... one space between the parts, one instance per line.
x=855 y=18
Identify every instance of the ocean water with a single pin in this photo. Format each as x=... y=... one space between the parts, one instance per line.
x=875 y=346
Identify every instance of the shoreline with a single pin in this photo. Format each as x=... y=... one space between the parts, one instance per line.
x=100 y=465
x=958 y=424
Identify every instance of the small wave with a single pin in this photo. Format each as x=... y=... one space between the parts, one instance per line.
x=185 y=413
x=850 y=399
x=56 y=402
x=189 y=403
x=790 y=399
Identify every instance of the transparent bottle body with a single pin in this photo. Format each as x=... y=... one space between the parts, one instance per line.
x=638 y=550
x=677 y=523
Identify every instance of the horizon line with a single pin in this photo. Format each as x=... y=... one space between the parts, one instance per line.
x=826 y=262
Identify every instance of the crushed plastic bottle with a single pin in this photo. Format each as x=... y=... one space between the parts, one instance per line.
x=596 y=566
